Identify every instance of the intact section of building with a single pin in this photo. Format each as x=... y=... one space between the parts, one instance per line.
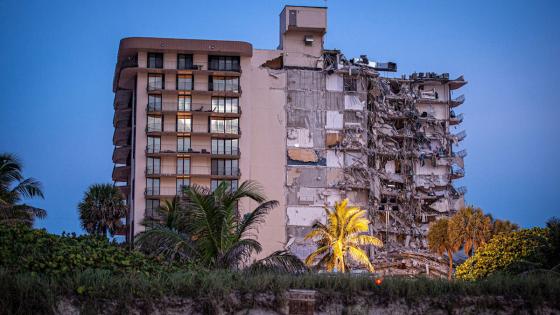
x=312 y=126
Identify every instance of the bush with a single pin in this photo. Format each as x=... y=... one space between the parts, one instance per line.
x=23 y=249
x=509 y=253
x=94 y=290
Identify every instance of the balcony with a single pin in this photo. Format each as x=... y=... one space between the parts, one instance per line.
x=121 y=136
x=455 y=119
x=457 y=173
x=122 y=117
x=123 y=99
x=457 y=101
x=197 y=151
x=121 y=155
x=195 y=171
x=158 y=192
x=457 y=83
x=121 y=173
x=125 y=190
x=456 y=138
x=194 y=109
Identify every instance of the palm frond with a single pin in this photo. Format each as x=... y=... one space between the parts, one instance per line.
x=255 y=217
x=279 y=261
x=168 y=243
x=29 y=188
x=360 y=256
x=239 y=252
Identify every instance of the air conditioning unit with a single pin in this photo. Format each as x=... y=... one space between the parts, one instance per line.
x=308 y=40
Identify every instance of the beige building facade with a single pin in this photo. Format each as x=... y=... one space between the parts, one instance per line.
x=310 y=125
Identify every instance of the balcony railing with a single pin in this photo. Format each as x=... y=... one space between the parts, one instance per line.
x=234 y=171
x=155 y=87
x=459 y=136
x=154 y=127
x=223 y=87
x=457 y=172
x=458 y=100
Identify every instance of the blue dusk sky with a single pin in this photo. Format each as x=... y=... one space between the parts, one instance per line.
x=57 y=61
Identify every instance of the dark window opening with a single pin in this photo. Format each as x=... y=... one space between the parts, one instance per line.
x=350 y=84
x=223 y=63
x=184 y=62
x=155 y=60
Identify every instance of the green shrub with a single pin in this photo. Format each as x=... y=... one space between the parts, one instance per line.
x=509 y=253
x=23 y=249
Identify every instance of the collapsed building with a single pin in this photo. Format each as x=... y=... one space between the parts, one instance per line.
x=313 y=127
x=384 y=143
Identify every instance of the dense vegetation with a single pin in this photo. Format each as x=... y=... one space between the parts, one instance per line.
x=39 y=294
x=23 y=249
x=522 y=251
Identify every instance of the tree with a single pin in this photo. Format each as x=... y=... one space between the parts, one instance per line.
x=207 y=229
x=13 y=189
x=102 y=209
x=513 y=252
x=341 y=237
x=471 y=228
x=440 y=242
x=502 y=226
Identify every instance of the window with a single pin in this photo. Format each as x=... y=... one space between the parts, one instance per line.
x=153 y=166
x=222 y=125
x=225 y=167
x=184 y=82
x=182 y=183
x=154 y=144
x=350 y=84
x=151 y=207
x=154 y=103
x=155 y=81
x=184 y=62
x=184 y=124
x=223 y=63
x=225 y=104
x=232 y=184
x=223 y=84
x=184 y=103
x=183 y=166
x=155 y=60
x=183 y=144
x=225 y=146
x=152 y=186
x=154 y=123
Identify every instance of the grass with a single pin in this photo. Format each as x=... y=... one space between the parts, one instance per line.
x=30 y=293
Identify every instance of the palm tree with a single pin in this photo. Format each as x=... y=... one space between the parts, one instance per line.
x=165 y=233
x=207 y=229
x=13 y=188
x=471 y=228
x=341 y=237
x=102 y=209
x=440 y=243
x=502 y=226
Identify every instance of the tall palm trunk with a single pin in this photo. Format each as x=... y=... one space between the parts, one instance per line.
x=450 y=272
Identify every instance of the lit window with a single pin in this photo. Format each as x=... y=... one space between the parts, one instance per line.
x=154 y=123
x=184 y=124
x=155 y=81
x=184 y=103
